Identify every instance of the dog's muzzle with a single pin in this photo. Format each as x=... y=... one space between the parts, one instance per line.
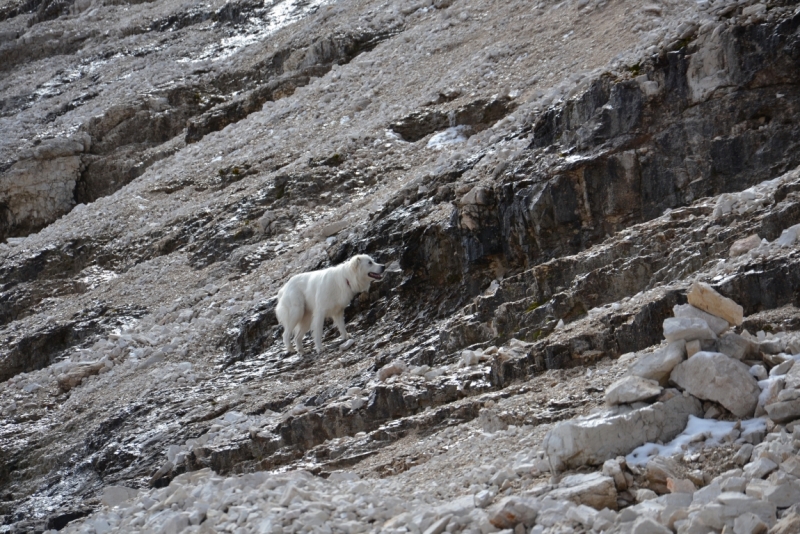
x=379 y=275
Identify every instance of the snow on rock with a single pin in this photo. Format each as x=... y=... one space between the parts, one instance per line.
x=699 y=433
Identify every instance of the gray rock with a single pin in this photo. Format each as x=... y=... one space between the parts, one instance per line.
x=593 y=489
x=783 y=412
x=716 y=324
x=594 y=439
x=781 y=368
x=716 y=377
x=686 y=328
x=749 y=523
x=647 y=525
x=759 y=468
x=783 y=495
x=631 y=389
x=659 y=364
x=736 y=346
x=512 y=511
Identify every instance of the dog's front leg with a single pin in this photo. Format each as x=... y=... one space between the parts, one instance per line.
x=317 y=322
x=338 y=320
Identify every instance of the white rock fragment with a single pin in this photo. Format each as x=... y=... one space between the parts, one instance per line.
x=716 y=324
x=594 y=489
x=512 y=511
x=716 y=377
x=631 y=389
x=596 y=438
x=394 y=368
x=744 y=245
x=706 y=298
x=736 y=346
x=659 y=364
x=686 y=328
x=749 y=523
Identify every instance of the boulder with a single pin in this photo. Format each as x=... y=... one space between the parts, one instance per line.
x=592 y=489
x=736 y=346
x=783 y=495
x=686 y=328
x=749 y=523
x=716 y=377
x=659 y=364
x=705 y=297
x=785 y=411
x=716 y=324
x=599 y=437
x=630 y=389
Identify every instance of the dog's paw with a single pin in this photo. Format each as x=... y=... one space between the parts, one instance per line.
x=347 y=344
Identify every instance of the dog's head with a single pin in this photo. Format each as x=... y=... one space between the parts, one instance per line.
x=366 y=269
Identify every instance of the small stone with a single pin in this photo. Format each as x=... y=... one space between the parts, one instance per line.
x=631 y=389
x=644 y=494
x=749 y=523
x=659 y=364
x=783 y=412
x=742 y=456
x=686 y=328
x=438 y=526
x=782 y=368
x=692 y=347
x=716 y=324
x=706 y=298
x=736 y=346
x=680 y=485
x=613 y=468
x=483 y=498
x=347 y=344
x=512 y=511
x=791 y=466
x=585 y=515
x=591 y=489
x=783 y=495
x=745 y=245
x=647 y=525
x=759 y=468
x=396 y=367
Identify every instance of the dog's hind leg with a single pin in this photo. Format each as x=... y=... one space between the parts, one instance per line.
x=317 y=322
x=338 y=320
x=302 y=327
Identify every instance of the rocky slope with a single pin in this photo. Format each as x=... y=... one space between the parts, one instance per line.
x=545 y=181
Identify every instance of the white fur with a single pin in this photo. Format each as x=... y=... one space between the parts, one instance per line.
x=306 y=300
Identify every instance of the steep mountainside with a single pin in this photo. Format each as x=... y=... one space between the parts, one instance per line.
x=545 y=182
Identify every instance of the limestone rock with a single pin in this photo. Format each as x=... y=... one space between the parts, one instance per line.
x=744 y=245
x=716 y=324
x=512 y=511
x=793 y=377
x=593 y=489
x=631 y=389
x=783 y=495
x=706 y=298
x=116 y=495
x=716 y=377
x=648 y=525
x=789 y=524
x=759 y=468
x=686 y=328
x=659 y=364
x=783 y=412
x=749 y=523
x=594 y=439
x=736 y=346
x=391 y=369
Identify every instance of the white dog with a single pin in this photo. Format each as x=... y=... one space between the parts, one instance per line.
x=307 y=299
